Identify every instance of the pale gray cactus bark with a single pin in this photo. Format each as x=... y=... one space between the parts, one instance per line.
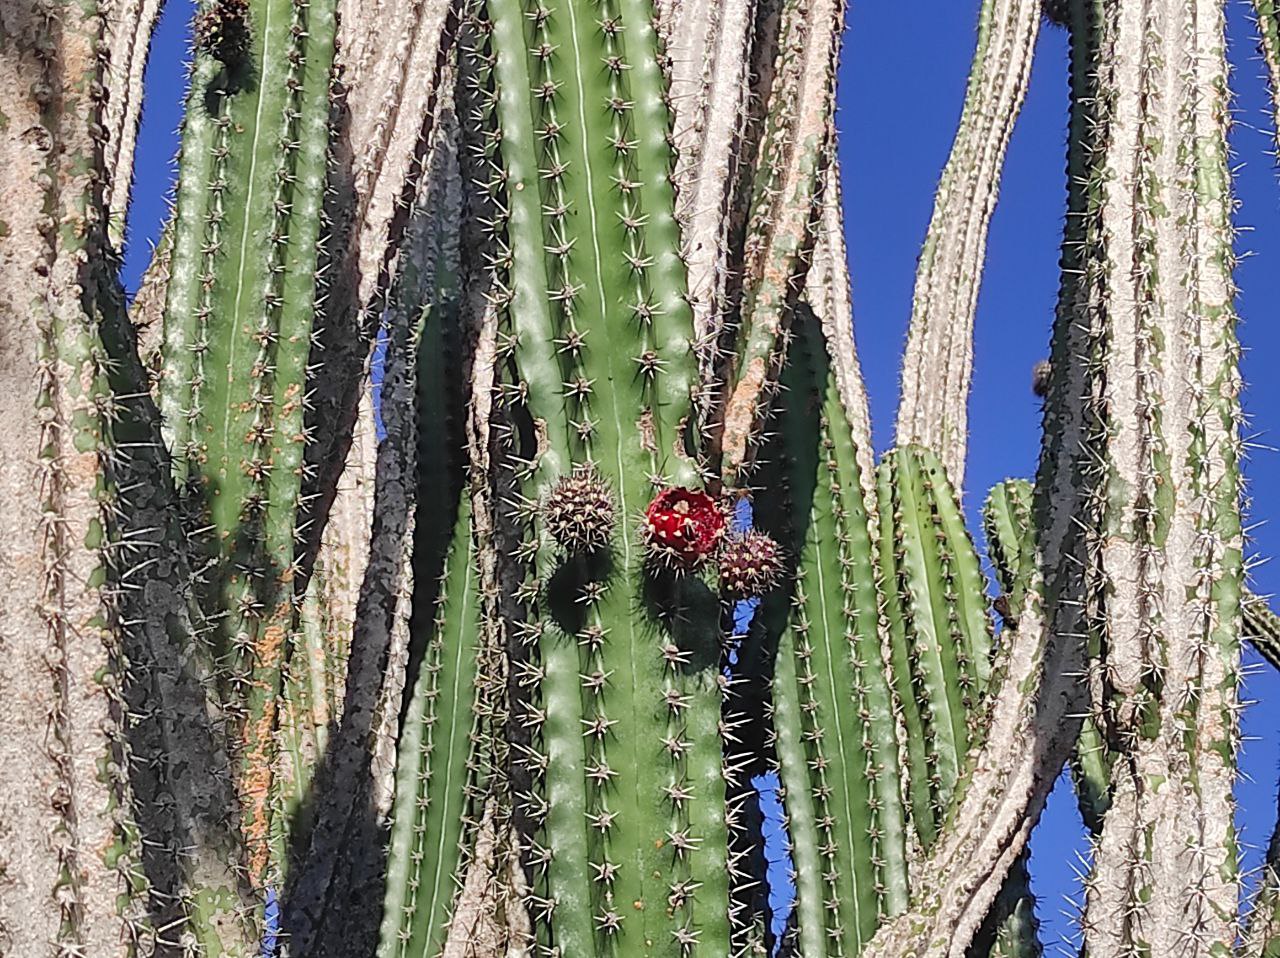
x=938 y=364
x=114 y=814
x=130 y=24
x=827 y=289
x=1168 y=560
x=344 y=857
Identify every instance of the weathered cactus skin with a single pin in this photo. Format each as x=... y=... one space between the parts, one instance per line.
x=237 y=337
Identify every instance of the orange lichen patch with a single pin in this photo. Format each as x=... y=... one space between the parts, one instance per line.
x=740 y=414
x=257 y=763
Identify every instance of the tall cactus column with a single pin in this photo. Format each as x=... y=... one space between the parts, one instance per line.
x=237 y=337
x=1167 y=566
x=625 y=787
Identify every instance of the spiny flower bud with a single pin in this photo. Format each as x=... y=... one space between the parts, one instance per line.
x=222 y=30
x=682 y=528
x=750 y=565
x=579 y=511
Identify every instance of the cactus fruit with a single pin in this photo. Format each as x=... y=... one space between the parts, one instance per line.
x=683 y=529
x=579 y=511
x=750 y=564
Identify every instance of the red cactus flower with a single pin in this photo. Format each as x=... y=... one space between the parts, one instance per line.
x=683 y=528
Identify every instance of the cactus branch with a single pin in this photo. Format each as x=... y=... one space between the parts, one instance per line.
x=938 y=362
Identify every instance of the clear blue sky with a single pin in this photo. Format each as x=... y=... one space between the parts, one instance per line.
x=901 y=87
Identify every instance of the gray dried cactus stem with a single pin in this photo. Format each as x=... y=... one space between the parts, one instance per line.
x=938 y=363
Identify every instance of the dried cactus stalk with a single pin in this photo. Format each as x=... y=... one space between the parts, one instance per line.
x=238 y=327
x=106 y=710
x=785 y=203
x=1166 y=684
x=837 y=737
x=938 y=363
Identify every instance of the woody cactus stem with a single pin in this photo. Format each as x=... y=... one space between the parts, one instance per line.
x=837 y=739
x=625 y=790
x=784 y=207
x=237 y=336
x=1158 y=262
x=938 y=363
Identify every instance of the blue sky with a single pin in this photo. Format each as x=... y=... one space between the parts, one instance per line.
x=901 y=86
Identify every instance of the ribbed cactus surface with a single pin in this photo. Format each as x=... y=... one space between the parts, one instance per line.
x=623 y=789
x=237 y=340
x=834 y=711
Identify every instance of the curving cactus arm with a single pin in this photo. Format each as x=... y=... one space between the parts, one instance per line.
x=938 y=362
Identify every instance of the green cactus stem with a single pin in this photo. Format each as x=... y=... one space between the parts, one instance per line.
x=940 y=637
x=625 y=790
x=938 y=363
x=237 y=336
x=837 y=739
x=1262 y=931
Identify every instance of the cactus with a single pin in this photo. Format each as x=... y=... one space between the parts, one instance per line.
x=474 y=688
x=938 y=361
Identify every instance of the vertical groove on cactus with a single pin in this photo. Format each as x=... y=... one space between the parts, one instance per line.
x=237 y=339
x=837 y=736
x=1166 y=685
x=787 y=191
x=938 y=362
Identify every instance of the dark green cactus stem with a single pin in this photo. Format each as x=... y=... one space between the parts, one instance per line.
x=833 y=709
x=940 y=639
x=435 y=776
x=1011 y=546
x=1262 y=931
x=238 y=326
x=1011 y=929
x=626 y=791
